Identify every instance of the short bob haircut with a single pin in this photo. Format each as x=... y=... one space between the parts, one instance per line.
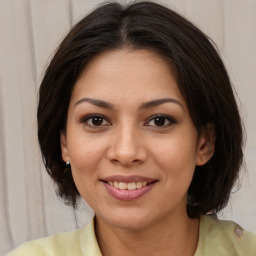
x=200 y=75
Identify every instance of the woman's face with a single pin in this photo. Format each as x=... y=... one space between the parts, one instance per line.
x=130 y=139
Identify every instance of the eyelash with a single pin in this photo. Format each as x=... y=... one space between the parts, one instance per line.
x=170 y=119
x=87 y=118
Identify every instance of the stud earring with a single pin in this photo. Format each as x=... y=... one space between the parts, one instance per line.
x=67 y=163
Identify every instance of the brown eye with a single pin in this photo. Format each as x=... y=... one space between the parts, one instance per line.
x=160 y=121
x=95 y=121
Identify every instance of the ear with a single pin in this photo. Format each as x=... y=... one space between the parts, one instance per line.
x=206 y=144
x=64 y=147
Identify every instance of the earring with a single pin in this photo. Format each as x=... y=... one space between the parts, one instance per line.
x=67 y=163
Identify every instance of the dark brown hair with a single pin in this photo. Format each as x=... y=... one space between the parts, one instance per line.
x=201 y=77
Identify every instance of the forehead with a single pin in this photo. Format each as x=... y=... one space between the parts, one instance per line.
x=123 y=73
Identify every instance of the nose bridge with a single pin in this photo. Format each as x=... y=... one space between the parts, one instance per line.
x=126 y=147
x=127 y=138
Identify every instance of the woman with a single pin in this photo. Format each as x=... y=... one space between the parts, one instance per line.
x=137 y=116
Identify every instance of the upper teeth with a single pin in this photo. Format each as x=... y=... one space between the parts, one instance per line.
x=129 y=186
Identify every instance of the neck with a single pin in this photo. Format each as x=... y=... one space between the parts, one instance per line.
x=169 y=237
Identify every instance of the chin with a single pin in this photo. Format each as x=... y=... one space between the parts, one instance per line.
x=130 y=223
x=130 y=220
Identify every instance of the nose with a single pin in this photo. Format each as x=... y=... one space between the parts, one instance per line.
x=127 y=147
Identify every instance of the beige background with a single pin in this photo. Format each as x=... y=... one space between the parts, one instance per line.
x=29 y=32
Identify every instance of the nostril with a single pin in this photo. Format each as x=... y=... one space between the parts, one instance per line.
x=126 y=154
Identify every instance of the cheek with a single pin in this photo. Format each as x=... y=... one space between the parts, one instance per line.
x=177 y=156
x=85 y=154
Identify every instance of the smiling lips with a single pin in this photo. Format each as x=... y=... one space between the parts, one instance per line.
x=128 y=188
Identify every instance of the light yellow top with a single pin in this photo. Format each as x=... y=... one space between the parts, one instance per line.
x=216 y=237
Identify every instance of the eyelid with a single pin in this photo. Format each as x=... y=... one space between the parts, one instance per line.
x=84 y=120
x=169 y=118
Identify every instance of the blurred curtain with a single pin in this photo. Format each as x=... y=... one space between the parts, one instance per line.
x=29 y=32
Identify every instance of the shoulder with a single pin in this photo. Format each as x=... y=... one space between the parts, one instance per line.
x=76 y=243
x=224 y=238
x=59 y=244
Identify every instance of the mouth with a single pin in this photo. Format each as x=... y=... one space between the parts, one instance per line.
x=128 y=185
x=128 y=188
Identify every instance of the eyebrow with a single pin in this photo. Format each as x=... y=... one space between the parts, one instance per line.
x=158 y=102
x=99 y=103
x=144 y=105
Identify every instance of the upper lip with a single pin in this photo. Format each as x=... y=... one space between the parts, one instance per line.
x=127 y=179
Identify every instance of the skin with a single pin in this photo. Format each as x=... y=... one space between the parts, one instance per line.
x=129 y=141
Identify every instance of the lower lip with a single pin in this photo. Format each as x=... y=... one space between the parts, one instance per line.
x=128 y=195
